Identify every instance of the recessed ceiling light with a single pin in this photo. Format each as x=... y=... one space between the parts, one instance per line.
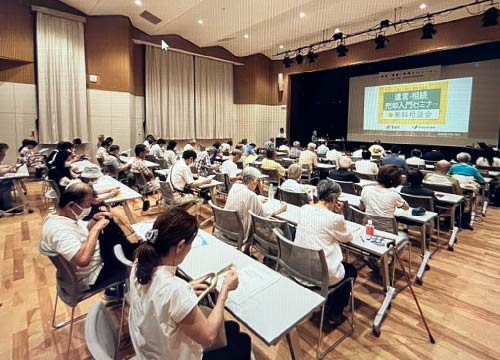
x=281 y=46
x=138 y=2
x=246 y=36
x=302 y=14
x=200 y=22
x=423 y=6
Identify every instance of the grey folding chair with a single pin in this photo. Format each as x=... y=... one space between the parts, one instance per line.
x=167 y=197
x=120 y=255
x=439 y=187
x=71 y=291
x=274 y=176
x=366 y=176
x=141 y=183
x=347 y=186
x=294 y=198
x=99 y=333
x=228 y=226
x=262 y=237
x=309 y=268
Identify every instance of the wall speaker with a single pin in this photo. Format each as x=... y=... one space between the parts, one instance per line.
x=281 y=82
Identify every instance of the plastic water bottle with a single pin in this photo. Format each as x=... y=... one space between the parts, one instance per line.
x=370 y=229
x=271 y=191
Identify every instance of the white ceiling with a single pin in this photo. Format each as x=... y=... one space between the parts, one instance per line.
x=268 y=23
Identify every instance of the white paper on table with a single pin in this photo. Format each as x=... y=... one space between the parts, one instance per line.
x=252 y=280
x=142 y=228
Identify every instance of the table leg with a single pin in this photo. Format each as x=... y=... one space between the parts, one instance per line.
x=385 y=271
x=423 y=267
x=129 y=212
x=293 y=339
x=20 y=192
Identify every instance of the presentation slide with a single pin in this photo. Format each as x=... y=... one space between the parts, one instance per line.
x=433 y=106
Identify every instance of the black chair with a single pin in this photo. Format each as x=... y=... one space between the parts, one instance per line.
x=294 y=198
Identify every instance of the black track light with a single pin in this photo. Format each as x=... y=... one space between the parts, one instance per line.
x=287 y=61
x=490 y=17
x=380 y=41
x=338 y=35
x=341 y=50
x=428 y=31
x=311 y=56
x=299 y=59
x=385 y=23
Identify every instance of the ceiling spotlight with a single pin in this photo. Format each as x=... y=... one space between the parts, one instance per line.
x=311 y=56
x=428 y=31
x=246 y=36
x=200 y=22
x=385 y=23
x=423 y=6
x=380 y=41
x=287 y=61
x=302 y=14
x=338 y=35
x=299 y=59
x=490 y=17
x=341 y=50
x=138 y=2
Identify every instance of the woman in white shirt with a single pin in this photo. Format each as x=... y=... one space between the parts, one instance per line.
x=292 y=183
x=170 y=155
x=165 y=320
x=158 y=149
x=322 y=226
x=383 y=199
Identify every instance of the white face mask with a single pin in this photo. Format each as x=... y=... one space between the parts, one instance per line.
x=85 y=212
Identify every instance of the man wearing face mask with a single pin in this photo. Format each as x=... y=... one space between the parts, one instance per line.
x=86 y=245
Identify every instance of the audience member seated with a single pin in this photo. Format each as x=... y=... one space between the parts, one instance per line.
x=281 y=134
x=229 y=166
x=149 y=141
x=251 y=156
x=270 y=163
x=464 y=168
x=77 y=141
x=416 y=158
x=217 y=154
x=308 y=157
x=383 y=199
x=269 y=144
x=414 y=186
x=295 y=150
x=6 y=201
x=226 y=147
x=314 y=136
x=344 y=173
x=139 y=166
x=440 y=176
x=376 y=149
x=114 y=161
x=165 y=321
x=170 y=155
x=358 y=153
x=284 y=147
x=334 y=154
x=191 y=145
x=61 y=146
x=60 y=171
x=433 y=155
x=87 y=246
x=495 y=162
x=394 y=159
x=322 y=149
x=365 y=165
x=322 y=226
x=242 y=198
x=293 y=184
x=482 y=161
x=100 y=139
x=102 y=152
x=158 y=149
x=203 y=159
x=27 y=155
x=181 y=178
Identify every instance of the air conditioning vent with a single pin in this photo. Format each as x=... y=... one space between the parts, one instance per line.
x=146 y=15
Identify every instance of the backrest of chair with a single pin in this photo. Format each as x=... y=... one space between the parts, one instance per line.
x=273 y=175
x=347 y=186
x=228 y=226
x=120 y=255
x=99 y=333
x=439 y=187
x=415 y=201
x=383 y=223
x=263 y=237
x=111 y=170
x=416 y=167
x=54 y=187
x=294 y=198
x=167 y=193
x=151 y=158
x=365 y=176
x=162 y=162
x=302 y=264
x=140 y=181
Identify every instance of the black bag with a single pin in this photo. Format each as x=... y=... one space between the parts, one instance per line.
x=495 y=192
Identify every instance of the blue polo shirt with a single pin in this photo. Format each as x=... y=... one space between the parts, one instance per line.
x=466 y=170
x=393 y=159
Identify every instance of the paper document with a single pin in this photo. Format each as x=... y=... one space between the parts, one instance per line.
x=142 y=228
x=252 y=280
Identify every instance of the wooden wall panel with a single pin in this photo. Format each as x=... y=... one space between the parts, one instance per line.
x=454 y=34
x=252 y=83
x=17 y=72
